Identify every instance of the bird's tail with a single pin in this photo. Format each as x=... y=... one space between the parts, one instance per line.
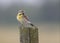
x=31 y=24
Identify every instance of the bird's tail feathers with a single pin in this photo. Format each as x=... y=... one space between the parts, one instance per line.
x=31 y=24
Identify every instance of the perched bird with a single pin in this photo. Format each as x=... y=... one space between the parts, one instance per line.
x=22 y=18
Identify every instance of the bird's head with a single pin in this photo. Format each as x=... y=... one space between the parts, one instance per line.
x=20 y=14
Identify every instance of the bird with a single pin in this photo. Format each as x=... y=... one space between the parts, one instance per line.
x=22 y=18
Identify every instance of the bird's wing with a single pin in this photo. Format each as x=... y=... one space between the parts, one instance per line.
x=26 y=17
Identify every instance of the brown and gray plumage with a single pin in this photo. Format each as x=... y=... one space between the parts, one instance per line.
x=22 y=18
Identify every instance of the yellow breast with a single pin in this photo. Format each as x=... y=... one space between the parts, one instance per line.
x=19 y=17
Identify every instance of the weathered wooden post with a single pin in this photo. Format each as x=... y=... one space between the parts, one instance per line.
x=28 y=35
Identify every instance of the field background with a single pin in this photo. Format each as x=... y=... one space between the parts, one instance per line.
x=48 y=33
x=45 y=14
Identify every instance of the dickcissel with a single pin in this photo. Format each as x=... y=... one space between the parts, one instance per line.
x=22 y=18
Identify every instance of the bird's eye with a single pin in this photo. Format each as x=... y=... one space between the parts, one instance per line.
x=20 y=14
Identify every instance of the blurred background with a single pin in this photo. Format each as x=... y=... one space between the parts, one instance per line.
x=45 y=14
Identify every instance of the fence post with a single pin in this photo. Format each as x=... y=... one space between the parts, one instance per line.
x=28 y=35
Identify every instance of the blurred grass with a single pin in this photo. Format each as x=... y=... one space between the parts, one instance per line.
x=10 y=34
